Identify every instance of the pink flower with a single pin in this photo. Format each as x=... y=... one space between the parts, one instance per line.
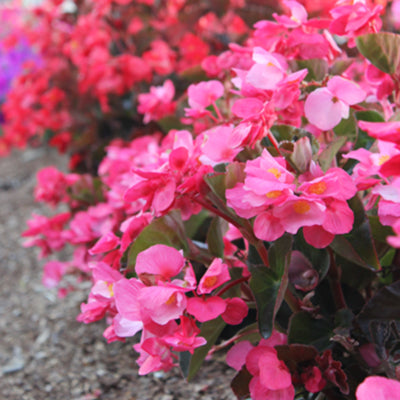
x=386 y=131
x=378 y=388
x=158 y=103
x=206 y=309
x=271 y=378
x=216 y=274
x=325 y=107
x=269 y=69
x=202 y=95
x=159 y=262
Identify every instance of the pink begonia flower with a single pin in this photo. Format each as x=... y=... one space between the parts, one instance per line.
x=202 y=95
x=269 y=69
x=222 y=143
x=155 y=355
x=235 y=312
x=271 y=378
x=354 y=20
x=162 y=304
x=386 y=131
x=53 y=271
x=378 y=388
x=158 y=103
x=298 y=15
x=391 y=167
x=325 y=107
x=205 y=309
x=185 y=337
x=313 y=380
x=106 y=243
x=129 y=320
x=216 y=274
x=160 y=261
x=335 y=183
x=236 y=356
x=317 y=236
x=267 y=227
x=297 y=212
x=395 y=240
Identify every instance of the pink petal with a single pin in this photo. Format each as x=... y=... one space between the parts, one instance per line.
x=378 y=388
x=345 y=90
x=322 y=110
x=160 y=260
x=205 y=309
x=236 y=356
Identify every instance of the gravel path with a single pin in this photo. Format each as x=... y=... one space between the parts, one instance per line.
x=44 y=352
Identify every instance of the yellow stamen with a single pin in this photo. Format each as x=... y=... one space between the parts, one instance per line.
x=273 y=194
x=301 y=207
x=318 y=187
x=274 y=172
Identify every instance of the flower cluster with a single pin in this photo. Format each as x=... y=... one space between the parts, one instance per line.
x=254 y=203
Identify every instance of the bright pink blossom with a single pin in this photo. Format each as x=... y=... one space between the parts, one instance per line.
x=325 y=107
x=378 y=388
x=216 y=274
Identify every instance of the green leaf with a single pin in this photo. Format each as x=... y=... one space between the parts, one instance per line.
x=209 y=330
x=379 y=231
x=216 y=182
x=358 y=245
x=170 y=122
x=381 y=49
x=269 y=284
x=168 y=230
x=196 y=224
x=340 y=66
x=317 y=68
x=305 y=329
x=215 y=237
x=329 y=153
x=291 y=133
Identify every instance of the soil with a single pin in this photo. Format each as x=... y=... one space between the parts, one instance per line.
x=44 y=352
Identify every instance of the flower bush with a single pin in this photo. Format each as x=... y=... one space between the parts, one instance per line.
x=248 y=196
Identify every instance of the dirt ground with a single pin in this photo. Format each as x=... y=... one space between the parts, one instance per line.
x=44 y=353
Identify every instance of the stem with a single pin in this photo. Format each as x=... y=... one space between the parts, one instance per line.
x=292 y=301
x=262 y=251
x=216 y=211
x=334 y=282
x=218 y=112
x=230 y=341
x=231 y=284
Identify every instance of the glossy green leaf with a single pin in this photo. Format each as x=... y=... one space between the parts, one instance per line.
x=291 y=133
x=209 y=330
x=168 y=230
x=304 y=329
x=329 y=153
x=269 y=284
x=317 y=68
x=216 y=182
x=358 y=245
x=215 y=237
x=381 y=49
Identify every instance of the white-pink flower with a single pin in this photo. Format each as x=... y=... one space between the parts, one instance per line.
x=325 y=107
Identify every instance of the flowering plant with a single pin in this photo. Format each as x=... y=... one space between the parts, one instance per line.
x=259 y=213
